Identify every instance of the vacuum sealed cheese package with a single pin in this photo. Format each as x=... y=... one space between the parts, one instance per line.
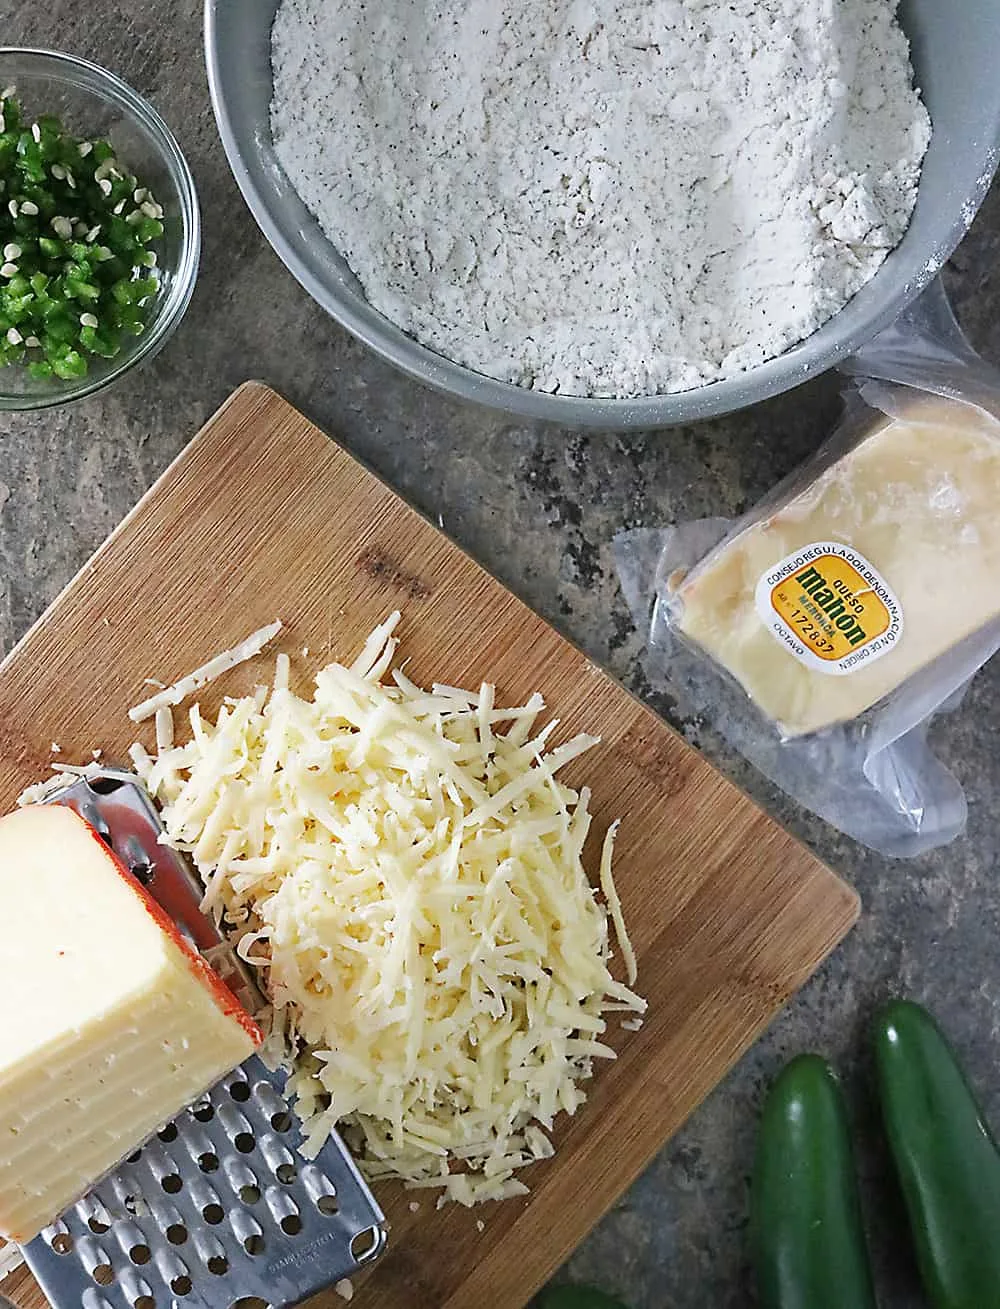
x=821 y=633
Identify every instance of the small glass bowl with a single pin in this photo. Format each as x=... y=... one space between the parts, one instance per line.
x=94 y=103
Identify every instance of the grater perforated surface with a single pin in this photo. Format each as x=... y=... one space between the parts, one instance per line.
x=217 y=1207
x=218 y=1210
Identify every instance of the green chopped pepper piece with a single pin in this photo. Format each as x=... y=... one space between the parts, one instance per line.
x=75 y=232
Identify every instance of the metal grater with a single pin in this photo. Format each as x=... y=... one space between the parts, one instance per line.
x=217 y=1210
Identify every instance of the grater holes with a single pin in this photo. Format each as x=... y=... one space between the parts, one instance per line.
x=291 y=1224
x=254 y=1245
x=92 y=1212
x=327 y=1205
x=240 y=1092
x=267 y=1097
x=134 y=1157
x=96 y=1261
x=177 y=1234
x=277 y=1157
x=281 y=1206
x=62 y=1243
x=317 y=1186
x=168 y=1133
x=105 y=785
x=241 y=1178
x=366 y=1244
x=245 y=1142
x=217 y=1265
x=250 y=1302
x=204 y=1112
x=136 y=1291
x=142 y=871
x=201 y=1147
x=173 y=1272
x=213 y=1213
x=140 y=1253
x=282 y=1121
x=172 y=1183
x=94 y=1300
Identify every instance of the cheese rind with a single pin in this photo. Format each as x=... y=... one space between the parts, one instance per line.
x=113 y=1023
x=917 y=498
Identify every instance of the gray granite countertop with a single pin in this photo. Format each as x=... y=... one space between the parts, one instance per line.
x=538 y=506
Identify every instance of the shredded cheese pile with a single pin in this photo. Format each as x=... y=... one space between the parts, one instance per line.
x=406 y=869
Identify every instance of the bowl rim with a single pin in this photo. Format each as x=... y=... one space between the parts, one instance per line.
x=800 y=363
x=60 y=65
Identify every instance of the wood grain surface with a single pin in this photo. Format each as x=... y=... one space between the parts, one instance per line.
x=264 y=517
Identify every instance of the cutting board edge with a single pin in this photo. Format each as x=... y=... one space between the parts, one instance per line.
x=134 y=512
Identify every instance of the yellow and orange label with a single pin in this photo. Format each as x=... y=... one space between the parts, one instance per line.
x=830 y=608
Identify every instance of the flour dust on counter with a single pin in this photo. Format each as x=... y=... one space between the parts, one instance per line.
x=603 y=197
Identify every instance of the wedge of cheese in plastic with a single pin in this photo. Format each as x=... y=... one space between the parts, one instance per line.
x=886 y=560
x=112 y=1024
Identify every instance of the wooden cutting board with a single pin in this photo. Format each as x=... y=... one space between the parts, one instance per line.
x=263 y=517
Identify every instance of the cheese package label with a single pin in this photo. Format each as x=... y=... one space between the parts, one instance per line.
x=830 y=607
x=862 y=574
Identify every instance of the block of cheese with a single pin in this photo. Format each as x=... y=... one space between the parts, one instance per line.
x=885 y=561
x=112 y=1023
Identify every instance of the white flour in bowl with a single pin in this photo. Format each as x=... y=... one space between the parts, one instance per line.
x=602 y=197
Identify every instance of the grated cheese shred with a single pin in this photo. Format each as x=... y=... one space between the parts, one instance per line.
x=405 y=868
x=215 y=668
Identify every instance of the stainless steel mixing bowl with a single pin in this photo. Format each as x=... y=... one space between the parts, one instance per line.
x=956 y=53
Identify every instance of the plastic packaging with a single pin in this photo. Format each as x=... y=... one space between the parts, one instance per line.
x=822 y=632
